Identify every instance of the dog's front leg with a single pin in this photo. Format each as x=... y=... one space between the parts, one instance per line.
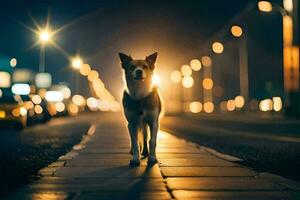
x=153 y=130
x=133 y=131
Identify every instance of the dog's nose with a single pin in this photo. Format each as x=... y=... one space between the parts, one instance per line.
x=139 y=73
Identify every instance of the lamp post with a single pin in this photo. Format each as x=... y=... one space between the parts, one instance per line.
x=77 y=63
x=290 y=66
x=237 y=32
x=44 y=37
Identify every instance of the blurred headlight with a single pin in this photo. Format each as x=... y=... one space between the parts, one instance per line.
x=23 y=111
x=16 y=112
x=38 y=109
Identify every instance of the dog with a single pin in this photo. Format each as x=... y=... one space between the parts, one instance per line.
x=142 y=107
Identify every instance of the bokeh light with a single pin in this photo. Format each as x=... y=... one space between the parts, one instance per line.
x=78 y=100
x=217 y=47
x=239 y=101
x=236 y=31
x=187 y=81
x=92 y=103
x=85 y=69
x=223 y=106
x=38 y=109
x=36 y=99
x=195 y=107
x=195 y=64
x=230 y=105
x=59 y=106
x=264 y=6
x=207 y=83
x=208 y=107
x=277 y=104
x=206 y=61
x=186 y=70
x=93 y=75
x=176 y=76
x=13 y=62
x=66 y=92
x=77 y=63
x=266 y=105
x=72 y=109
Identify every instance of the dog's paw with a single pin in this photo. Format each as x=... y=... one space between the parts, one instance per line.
x=145 y=153
x=134 y=162
x=152 y=160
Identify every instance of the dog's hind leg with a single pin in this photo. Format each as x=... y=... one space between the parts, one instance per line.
x=145 y=152
x=133 y=130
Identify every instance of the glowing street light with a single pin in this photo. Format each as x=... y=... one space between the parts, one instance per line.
x=290 y=68
x=186 y=70
x=77 y=63
x=208 y=107
x=217 y=47
x=239 y=101
x=196 y=64
x=236 y=31
x=195 y=107
x=264 y=6
x=44 y=36
x=288 y=5
x=187 y=81
x=85 y=69
x=13 y=62
x=207 y=83
x=206 y=61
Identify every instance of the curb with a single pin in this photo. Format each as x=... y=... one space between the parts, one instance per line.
x=62 y=160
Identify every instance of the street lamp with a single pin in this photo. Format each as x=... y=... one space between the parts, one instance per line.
x=217 y=47
x=290 y=67
x=264 y=6
x=44 y=36
x=236 y=31
x=77 y=63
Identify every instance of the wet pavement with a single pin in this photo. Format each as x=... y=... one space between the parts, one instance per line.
x=98 y=168
x=24 y=153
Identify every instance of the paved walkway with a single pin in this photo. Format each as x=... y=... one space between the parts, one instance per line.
x=97 y=168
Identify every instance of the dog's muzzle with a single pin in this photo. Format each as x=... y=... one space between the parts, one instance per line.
x=139 y=75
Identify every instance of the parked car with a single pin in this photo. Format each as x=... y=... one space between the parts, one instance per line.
x=12 y=110
x=28 y=104
x=40 y=108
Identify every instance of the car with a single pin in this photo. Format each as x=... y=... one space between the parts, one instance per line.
x=12 y=110
x=42 y=114
x=28 y=104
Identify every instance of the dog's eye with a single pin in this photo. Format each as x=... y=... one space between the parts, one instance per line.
x=132 y=67
x=144 y=67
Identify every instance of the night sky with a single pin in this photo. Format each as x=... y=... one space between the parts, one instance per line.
x=177 y=30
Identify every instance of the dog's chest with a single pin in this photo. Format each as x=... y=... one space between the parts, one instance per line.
x=146 y=108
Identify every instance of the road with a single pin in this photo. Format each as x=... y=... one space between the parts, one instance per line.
x=267 y=145
x=23 y=153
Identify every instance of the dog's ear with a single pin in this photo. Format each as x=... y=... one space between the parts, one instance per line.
x=151 y=59
x=124 y=59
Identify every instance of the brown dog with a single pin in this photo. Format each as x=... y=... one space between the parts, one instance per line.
x=142 y=106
